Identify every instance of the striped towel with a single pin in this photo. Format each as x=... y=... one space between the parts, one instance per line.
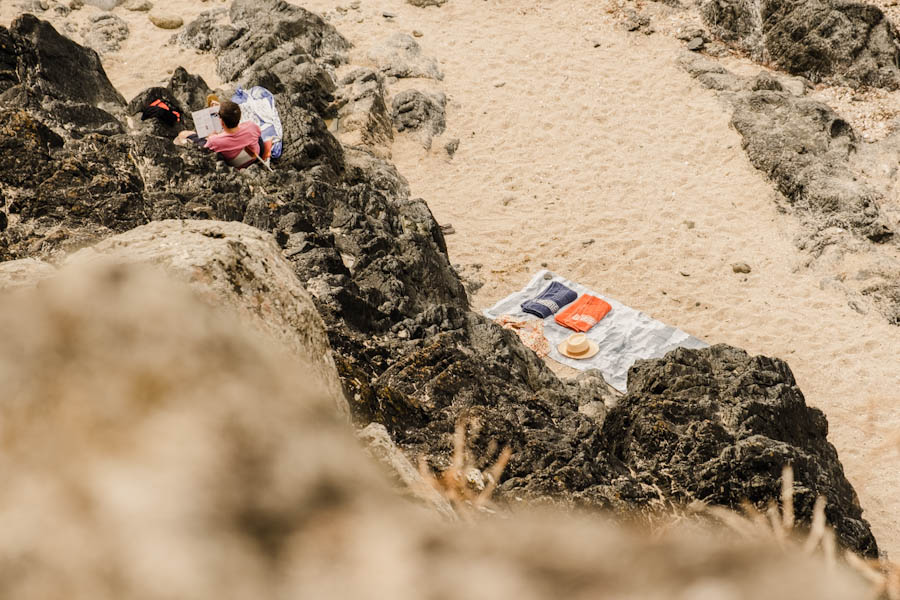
x=554 y=296
x=583 y=313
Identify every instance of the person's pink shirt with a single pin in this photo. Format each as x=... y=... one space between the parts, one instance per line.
x=230 y=145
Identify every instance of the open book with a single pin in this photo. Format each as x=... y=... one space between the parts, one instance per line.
x=206 y=121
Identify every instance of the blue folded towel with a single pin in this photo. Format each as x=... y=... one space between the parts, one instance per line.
x=554 y=297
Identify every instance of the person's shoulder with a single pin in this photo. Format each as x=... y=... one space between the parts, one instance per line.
x=252 y=127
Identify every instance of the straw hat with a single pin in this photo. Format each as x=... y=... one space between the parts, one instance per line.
x=578 y=346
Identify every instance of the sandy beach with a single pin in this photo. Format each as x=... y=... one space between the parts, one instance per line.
x=585 y=149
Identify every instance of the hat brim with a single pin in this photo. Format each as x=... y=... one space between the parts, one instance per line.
x=593 y=349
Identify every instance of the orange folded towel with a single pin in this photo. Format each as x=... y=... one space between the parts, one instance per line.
x=584 y=313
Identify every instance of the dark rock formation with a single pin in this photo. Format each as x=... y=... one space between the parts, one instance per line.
x=804 y=147
x=853 y=42
x=717 y=425
x=277 y=45
x=886 y=295
x=190 y=90
x=209 y=32
x=8 y=61
x=53 y=66
x=420 y=112
x=24 y=147
x=280 y=46
x=822 y=170
x=307 y=142
x=410 y=354
x=362 y=112
x=88 y=184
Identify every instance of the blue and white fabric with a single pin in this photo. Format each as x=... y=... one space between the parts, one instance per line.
x=258 y=105
x=554 y=297
x=624 y=335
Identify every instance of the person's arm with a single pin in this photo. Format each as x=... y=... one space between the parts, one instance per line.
x=186 y=137
x=266 y=150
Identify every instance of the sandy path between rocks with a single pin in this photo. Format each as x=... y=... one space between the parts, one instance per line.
x=594 y=161
x=612 y=167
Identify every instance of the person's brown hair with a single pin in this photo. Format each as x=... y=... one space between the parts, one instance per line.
x=230 y=113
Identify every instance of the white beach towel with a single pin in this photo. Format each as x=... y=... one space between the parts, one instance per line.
x=624 y=335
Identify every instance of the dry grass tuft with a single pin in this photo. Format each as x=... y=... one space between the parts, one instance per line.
x=779 y=525
x=465 y=486
x=469 y=490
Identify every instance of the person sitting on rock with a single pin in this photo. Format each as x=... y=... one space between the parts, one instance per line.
x=239 y=143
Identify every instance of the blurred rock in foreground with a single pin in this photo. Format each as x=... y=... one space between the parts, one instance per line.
x=154 y=448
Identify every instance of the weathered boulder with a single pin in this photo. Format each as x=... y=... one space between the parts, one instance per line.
x=277 y=45
x=165 y=20
x=24 y=143
x=158 y=415
x=105 y=33
x=190 y=90
x=363 y=117
x=822 y=170
x=401 y=56
x=852 y=42
x=804 y=147
x=208 y=32
x=80 y=120
x=24 y=273
x=717 y=425
x=8 y=61
x=419 y=112
x=307 y=141
x=238 y=267
x=42 y=71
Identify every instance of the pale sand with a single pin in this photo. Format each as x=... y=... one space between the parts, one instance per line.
x=617 y=145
